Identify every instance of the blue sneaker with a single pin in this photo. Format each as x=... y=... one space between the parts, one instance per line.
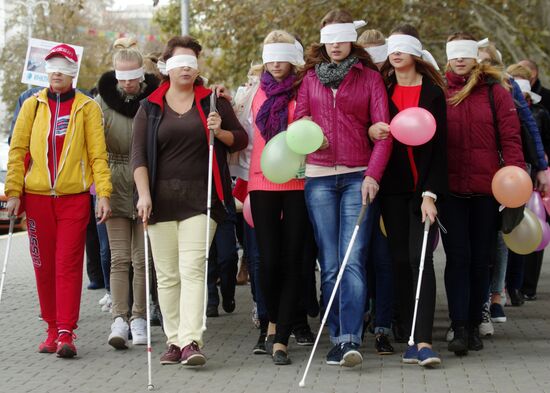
x=497 y=313
x=351 y=356
x=411 y=355
x=428 y=358
x=334 y=356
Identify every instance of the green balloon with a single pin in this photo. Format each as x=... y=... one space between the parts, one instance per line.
x=304 y=136
x=526 y=237
x=279 y=163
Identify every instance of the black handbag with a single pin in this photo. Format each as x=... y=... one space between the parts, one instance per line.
x=510 y=217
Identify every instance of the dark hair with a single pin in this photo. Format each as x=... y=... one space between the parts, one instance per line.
x=422 y=67
x=317 y=53
x=184 y=41
x=460 y=35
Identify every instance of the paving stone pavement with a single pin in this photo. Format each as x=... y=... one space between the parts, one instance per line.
x=515 y=359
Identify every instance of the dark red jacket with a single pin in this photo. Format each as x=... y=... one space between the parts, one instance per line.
x=471 y=145
x=360 y=101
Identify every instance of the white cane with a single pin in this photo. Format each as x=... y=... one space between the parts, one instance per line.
x=420 y=271
x=208 y=208
x=147 y=307
x=6 y=256
x=333 y=295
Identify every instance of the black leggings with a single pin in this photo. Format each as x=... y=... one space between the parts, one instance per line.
x=281 y=242
x=403 y=222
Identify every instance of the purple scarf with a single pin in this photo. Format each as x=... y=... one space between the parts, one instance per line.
x=272 y=117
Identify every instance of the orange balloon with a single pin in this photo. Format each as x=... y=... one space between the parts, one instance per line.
x=512 y=186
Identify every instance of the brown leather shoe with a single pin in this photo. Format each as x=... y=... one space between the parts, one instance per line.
x=242 y=275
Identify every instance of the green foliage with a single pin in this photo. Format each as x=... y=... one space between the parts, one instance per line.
x=233 y=30
x=60 y=25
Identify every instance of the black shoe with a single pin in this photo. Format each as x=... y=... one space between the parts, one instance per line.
x=269 y=344
x=228 y=305
x=474 y=341
x=259 y=348
x=459 y=343
x=304 y=336
x=516 y=297
x=212 y=311
x=399 y=333
x=382 y=344
x=93 y=285
x=280 y=358
x=530 y=297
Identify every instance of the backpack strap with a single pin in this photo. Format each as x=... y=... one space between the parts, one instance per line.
x=495 y=124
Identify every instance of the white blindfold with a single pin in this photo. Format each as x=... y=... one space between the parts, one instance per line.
x=129 y=75
x=379 y=53
x=61 y=65
x=341 y=32
x=177 y=61
x=411 y=45
x=282 y=52
x=464 y=49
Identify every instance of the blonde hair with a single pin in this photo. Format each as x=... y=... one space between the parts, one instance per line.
x=125 y=43
x=128 y=54
x=479 y=72
x=371 y=37
x=519 y=71
x=274 y=37
x=150 y=61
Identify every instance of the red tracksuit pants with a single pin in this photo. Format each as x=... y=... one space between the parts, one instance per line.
x=57 y=236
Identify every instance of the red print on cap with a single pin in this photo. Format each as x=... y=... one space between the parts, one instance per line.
x=63 y=50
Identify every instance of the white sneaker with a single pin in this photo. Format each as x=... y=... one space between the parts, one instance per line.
x=119 y=334
x=107 y=307
x=105 y=299
x=486 y=327
x=139 y=331
x=450 y=335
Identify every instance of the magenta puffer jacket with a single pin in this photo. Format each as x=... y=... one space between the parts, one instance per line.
x=360 y=101
x=471 y=144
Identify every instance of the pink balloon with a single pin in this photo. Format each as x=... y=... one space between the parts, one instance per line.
x=413 y=126
x=536 y=205
x=546 y=203
x=247 y=211
x=545 y=235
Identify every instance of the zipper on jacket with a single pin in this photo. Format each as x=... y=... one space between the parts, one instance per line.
x=54 y=136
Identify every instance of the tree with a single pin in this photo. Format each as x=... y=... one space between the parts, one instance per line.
x=234 y=29
x=62 y=25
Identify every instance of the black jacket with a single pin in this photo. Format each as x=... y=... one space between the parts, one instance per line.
x=542 y=118
x=544 y=93
x=430 y=158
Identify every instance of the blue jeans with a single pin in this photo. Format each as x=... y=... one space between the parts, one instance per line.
x=498 y=272
x=223 y=259
x=253 y=255
x=334 y=203
x=104 y=251
x=379 y=264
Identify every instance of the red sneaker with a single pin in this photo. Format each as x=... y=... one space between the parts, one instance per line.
x=65 y=346
x=191 y=355
x=50 y=344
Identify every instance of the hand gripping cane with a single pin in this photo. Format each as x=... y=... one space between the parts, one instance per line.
x=8 y=246
x=333 y=295
x=420 y=271
x=147 y=306
x=208 y=208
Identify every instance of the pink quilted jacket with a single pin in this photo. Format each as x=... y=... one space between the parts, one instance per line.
x=360 y=101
